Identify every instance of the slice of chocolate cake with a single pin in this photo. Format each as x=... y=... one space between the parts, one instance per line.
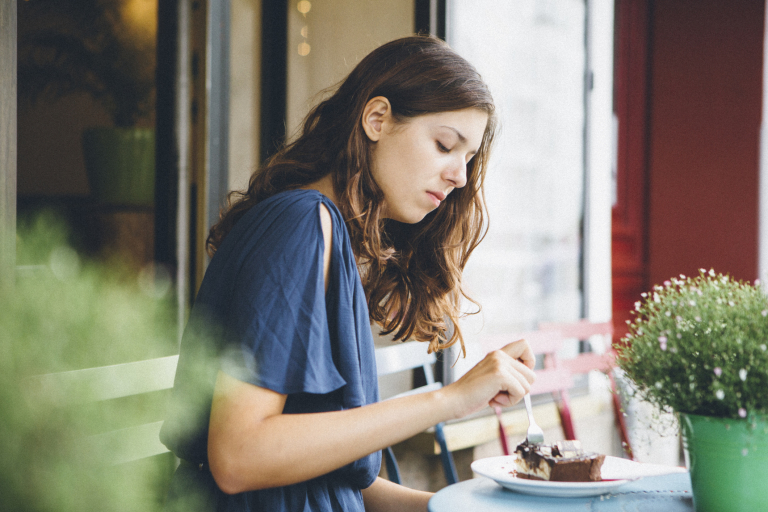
x=563 y=461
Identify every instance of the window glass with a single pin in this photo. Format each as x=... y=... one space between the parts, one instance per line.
x=532 y=54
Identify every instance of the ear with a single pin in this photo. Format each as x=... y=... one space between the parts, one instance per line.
x=376 y=114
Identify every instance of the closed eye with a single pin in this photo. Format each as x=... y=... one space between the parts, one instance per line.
x=442 y=148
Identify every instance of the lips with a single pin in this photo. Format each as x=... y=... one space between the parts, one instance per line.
x=436 y=196
x=439 y=195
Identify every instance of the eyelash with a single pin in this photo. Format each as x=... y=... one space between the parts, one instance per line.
x=442 y=148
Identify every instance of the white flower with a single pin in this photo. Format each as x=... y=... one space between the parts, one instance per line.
x=656 y=297
x=720 y=394
x=637 y=306
x=763 y=347
x=668 y=313
x=712 y=272
x=643 y=294
x=742 y=412
x=659 y=385
x=731 y=303
x=692 y=302
x=764 y=312
x=698 y=319
x=718 y=371
x=743 y=374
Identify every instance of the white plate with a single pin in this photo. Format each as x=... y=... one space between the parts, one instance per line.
x=615 y=472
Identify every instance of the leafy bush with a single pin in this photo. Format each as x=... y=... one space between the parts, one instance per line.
x=699 y=346
x=64 y=313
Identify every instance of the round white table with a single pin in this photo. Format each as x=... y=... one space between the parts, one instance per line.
x=668 y=493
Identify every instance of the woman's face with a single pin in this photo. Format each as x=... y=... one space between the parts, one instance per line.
x=417 y=163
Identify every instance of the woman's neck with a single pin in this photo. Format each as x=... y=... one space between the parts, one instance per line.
x=325 y=186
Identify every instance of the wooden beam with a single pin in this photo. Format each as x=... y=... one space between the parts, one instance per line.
x=8 y=11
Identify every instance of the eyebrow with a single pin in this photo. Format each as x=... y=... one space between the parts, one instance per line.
x=462 y=138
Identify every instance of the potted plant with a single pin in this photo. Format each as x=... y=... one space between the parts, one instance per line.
x=107 y=50
x=699 y=347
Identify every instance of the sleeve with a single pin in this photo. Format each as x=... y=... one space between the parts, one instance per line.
x=277 y=326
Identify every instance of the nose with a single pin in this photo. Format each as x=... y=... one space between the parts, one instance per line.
x=456 y=174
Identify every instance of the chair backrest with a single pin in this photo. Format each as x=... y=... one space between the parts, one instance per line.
x=583 y=330
x=401 y=357
x=104 y=383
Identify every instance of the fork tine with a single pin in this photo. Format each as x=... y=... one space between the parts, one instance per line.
x=534 y=435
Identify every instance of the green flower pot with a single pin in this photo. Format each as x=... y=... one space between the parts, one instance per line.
x=120 y=163
x=728 y=462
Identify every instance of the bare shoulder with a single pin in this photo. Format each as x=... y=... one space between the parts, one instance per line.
x=327 y=225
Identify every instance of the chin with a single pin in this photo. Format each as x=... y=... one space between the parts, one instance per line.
x=411 y=218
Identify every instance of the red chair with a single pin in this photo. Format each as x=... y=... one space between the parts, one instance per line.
x=585 y=362
x=552 y=378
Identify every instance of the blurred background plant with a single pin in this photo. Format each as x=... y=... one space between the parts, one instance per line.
x=699 y=346
x=102 y=47
x=66 y=313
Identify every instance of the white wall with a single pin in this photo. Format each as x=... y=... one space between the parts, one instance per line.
x=339 y=34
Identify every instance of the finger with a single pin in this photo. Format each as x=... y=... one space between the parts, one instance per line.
x=524 y=370
x=501 y=400
x=521 y=350
x=515 y=386
x=515 y=391
x=515 y=363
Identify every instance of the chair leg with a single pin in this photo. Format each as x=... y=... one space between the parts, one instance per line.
x=502 y=432
x=564 y=411
x=393 y=471
x=449 y=468
x=618 y=414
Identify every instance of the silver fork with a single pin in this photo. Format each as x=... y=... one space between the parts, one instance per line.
x=535 y=434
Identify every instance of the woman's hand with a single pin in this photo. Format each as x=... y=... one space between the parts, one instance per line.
x=502 y=378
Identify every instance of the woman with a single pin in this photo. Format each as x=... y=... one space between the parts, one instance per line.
x=370 y=215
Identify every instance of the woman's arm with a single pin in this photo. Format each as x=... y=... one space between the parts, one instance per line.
x=252 y=445
x=384 y=496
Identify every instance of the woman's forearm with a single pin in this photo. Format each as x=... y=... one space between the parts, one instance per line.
x=249 y=451
x=385 y=496
x=253 y=445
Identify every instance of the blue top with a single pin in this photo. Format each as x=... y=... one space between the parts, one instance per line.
x=262 y=315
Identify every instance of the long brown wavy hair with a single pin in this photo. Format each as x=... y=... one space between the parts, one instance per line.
x=411 y=273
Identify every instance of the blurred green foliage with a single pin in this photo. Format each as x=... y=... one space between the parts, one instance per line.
x=65 y=313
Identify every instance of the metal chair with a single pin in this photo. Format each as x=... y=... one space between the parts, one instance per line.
x=404 y=357
x=106 y=383
x=587 y=361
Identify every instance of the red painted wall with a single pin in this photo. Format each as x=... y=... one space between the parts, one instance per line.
x=705 y=105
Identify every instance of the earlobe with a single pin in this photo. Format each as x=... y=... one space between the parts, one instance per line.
x=375 y=114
